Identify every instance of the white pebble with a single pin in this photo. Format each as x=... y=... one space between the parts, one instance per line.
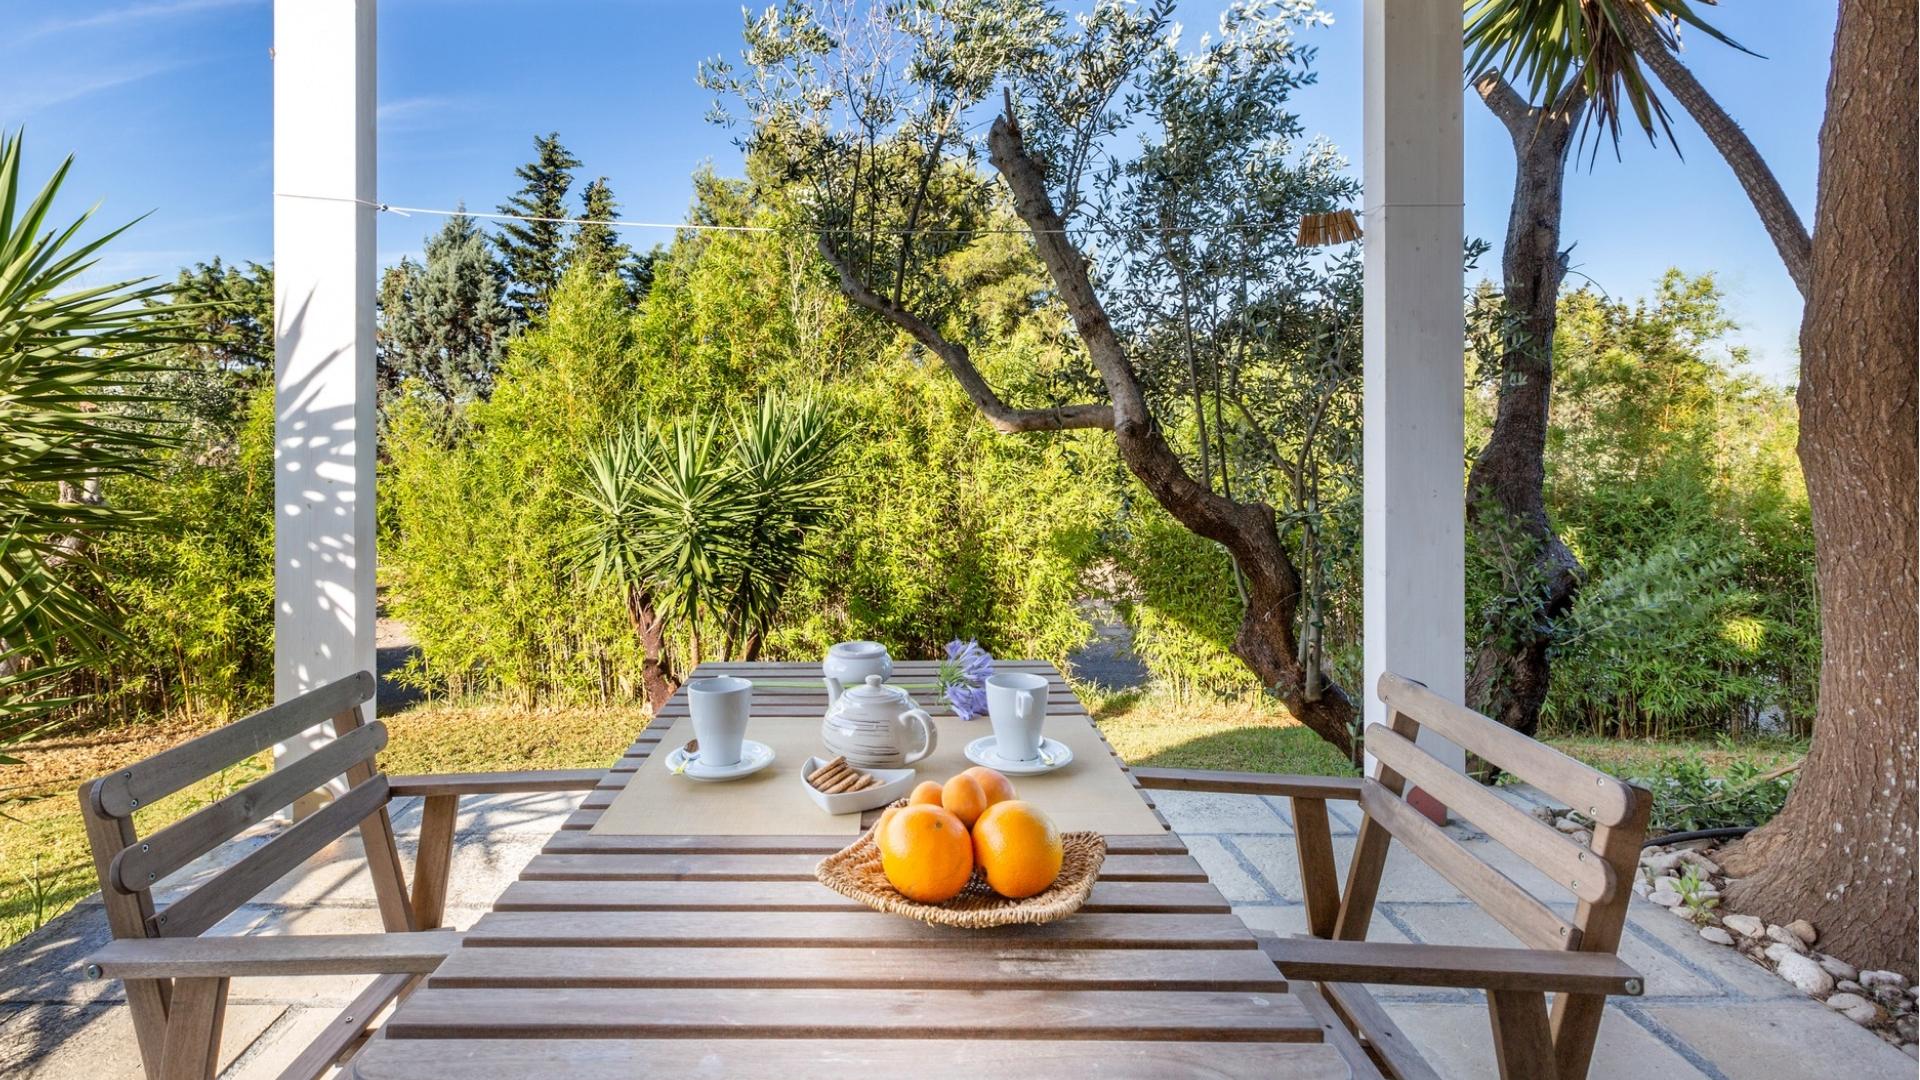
x=1786 y=937
x=1878 y=979
x=1802 y=972
x=1804 y=930
x=1716 y=935
x=1745 y=925
x=1836 y=967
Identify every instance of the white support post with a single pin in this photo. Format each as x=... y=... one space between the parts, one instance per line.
x=323 y=263
x=1415 y=533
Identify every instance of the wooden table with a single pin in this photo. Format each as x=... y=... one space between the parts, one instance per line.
x=616 y=956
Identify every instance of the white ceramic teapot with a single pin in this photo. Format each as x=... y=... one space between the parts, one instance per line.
x=877 y=726
x=851 y=661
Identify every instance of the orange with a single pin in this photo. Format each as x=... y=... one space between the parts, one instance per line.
x=925 y=852
x=1018 y=848
x=997 y=787
x=927 y=791
x=964 y=796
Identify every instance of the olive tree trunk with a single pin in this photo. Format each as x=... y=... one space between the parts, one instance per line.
x=1267 y=640
x=1841 y=853
x=1506 y=502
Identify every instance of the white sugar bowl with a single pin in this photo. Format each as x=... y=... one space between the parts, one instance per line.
x=850 y=662
x=876 y=726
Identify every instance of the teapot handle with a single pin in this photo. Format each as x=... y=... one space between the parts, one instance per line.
x=929 y=735
x=833 y=689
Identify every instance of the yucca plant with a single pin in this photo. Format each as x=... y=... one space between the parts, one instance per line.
x=75 y=411
x=704 y=525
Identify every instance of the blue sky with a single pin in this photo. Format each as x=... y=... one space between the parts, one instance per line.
x=167 y=106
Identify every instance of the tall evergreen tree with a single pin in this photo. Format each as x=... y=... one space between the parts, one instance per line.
x=445 y=322
x=595 y=244
x=535 y=251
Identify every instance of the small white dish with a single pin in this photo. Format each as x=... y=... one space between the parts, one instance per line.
x=1054 y=754
x=754 y=756
x=894 y=784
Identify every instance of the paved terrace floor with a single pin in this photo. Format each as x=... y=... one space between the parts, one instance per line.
x=1707 y=1013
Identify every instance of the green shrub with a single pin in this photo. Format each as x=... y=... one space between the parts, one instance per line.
x=195 y=593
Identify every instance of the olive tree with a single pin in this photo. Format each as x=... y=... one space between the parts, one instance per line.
x=1158 y=182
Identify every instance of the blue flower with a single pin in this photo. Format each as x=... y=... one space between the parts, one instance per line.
x=966 y=662
x=968 y=702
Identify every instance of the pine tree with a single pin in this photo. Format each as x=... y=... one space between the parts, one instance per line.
x=534 y=252
x=596 y=245
x=445 y=323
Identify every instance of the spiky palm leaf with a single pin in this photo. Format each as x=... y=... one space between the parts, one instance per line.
x=74 y=411
x=1545 y=46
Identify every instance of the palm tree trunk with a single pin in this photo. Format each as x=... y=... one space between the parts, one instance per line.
x=1776 y=211
x=1506 y=503
x=657 y=679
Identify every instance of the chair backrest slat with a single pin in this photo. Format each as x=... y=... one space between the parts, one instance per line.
x=221 y=895
x=1519 y=911
x=125 y=791
x=156 y=856
x=1575 y=868
x=1600 y=797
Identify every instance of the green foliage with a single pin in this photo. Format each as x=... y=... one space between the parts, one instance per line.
x=534 y=252
x=444 y=323
x=1688 y=795
x=196 y=590
x=75 y=411
x=711 y=530
x=1184 y=613
x=1673 y=477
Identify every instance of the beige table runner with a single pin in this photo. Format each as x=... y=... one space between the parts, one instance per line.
x=1090 y=794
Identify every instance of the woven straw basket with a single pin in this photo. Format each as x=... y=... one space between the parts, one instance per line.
x=854 y=872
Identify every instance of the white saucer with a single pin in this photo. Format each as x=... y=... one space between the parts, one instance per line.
x=1053 y=755
x=754 y=756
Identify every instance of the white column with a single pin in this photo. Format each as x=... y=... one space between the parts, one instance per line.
x=323 y=263
x=1414 y=587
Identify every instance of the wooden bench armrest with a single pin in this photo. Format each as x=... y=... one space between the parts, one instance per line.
x=1345 y=788
x=283 y=954
x=1473 y=968
x=496 y=783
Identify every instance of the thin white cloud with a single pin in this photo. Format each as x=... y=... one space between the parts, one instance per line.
x=46 y=90
x=412 y=113
x=120 y=16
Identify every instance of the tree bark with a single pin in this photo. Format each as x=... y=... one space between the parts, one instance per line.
x=1506 y=500
x=1841 y=853
x=657 y=679
x=1769 y=200
x=1266 y=640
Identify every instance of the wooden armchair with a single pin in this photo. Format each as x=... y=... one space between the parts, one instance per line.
x=177 y=980
x=1573 y=959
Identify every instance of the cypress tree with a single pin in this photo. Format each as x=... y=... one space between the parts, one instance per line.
x=534 y=252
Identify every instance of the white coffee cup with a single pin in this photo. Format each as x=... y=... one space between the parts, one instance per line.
x=720 y=708
x=1017 y=704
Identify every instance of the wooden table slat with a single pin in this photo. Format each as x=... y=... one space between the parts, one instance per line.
x=1107 y=896
x=580 y=842
x=1008 y=968
x=798 y=866
x=710 y=1013
x=740 y=929
x=842 y=1059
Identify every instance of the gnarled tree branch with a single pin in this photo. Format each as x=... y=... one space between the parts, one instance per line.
x=1004 y=417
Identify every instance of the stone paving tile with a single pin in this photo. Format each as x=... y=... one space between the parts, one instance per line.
x=1223 y=866
x=95 y=1042
x=45 y=968
x=1455 y=924
x=1739 y=976
x=1405 y=876
x=1787 y=1041
x=1194 y=812
x=1457 y=1040
x=1289 y=920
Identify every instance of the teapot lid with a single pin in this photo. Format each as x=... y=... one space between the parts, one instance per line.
x=859 y=649
x=875 y=690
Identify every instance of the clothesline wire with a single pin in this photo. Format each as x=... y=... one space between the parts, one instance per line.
x=617 y=223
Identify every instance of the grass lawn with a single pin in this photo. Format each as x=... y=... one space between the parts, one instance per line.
x=45 y=867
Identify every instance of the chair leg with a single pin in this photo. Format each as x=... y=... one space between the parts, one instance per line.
x=1522 y=1041
x=193 y=1029
x=434 y=860
x=1319 y=878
